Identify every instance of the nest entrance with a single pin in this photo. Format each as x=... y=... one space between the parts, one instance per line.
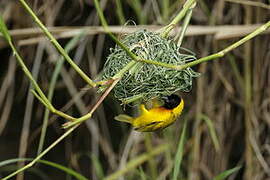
x=148 y=81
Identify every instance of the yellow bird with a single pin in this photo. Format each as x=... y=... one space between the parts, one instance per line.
x=157 y=117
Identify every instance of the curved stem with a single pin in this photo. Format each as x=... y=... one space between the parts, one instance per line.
x=228 y=49
x=89 y=115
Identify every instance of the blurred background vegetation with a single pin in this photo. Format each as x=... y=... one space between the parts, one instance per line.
x=227 y=111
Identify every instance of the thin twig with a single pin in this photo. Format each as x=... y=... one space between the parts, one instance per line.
x=88 y=115
x=226 y=50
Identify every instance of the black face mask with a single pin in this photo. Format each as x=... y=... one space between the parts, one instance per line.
x=171 y=101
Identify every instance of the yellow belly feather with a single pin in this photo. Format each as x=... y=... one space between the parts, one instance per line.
x=156 y=118
x=153 y=119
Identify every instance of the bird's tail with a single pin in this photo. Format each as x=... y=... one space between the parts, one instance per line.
x=124 y=118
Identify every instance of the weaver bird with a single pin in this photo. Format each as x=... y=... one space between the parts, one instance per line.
x=156 y=118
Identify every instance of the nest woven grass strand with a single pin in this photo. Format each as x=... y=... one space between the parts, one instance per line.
x=147 y=80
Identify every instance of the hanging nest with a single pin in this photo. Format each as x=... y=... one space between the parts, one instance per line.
x=146 y=81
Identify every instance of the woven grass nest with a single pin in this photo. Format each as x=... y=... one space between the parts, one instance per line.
x=146 y=81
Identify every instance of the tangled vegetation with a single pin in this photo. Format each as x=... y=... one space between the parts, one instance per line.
x=147 y=81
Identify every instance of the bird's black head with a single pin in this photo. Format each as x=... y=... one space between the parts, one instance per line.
x=171 y=101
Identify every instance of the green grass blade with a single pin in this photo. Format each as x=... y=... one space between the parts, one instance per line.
x=212 y=131
x=137 y=161
x=136 y=5
x=165 y=10
x=151 y=163
x=36 y=159
x=226 y=173
x=40 y=174
x=142 y=174
x=98 y=167
x=49 y=163
x=235 y=70
x=180 y=152
x=63 y=168
x=120 y=12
